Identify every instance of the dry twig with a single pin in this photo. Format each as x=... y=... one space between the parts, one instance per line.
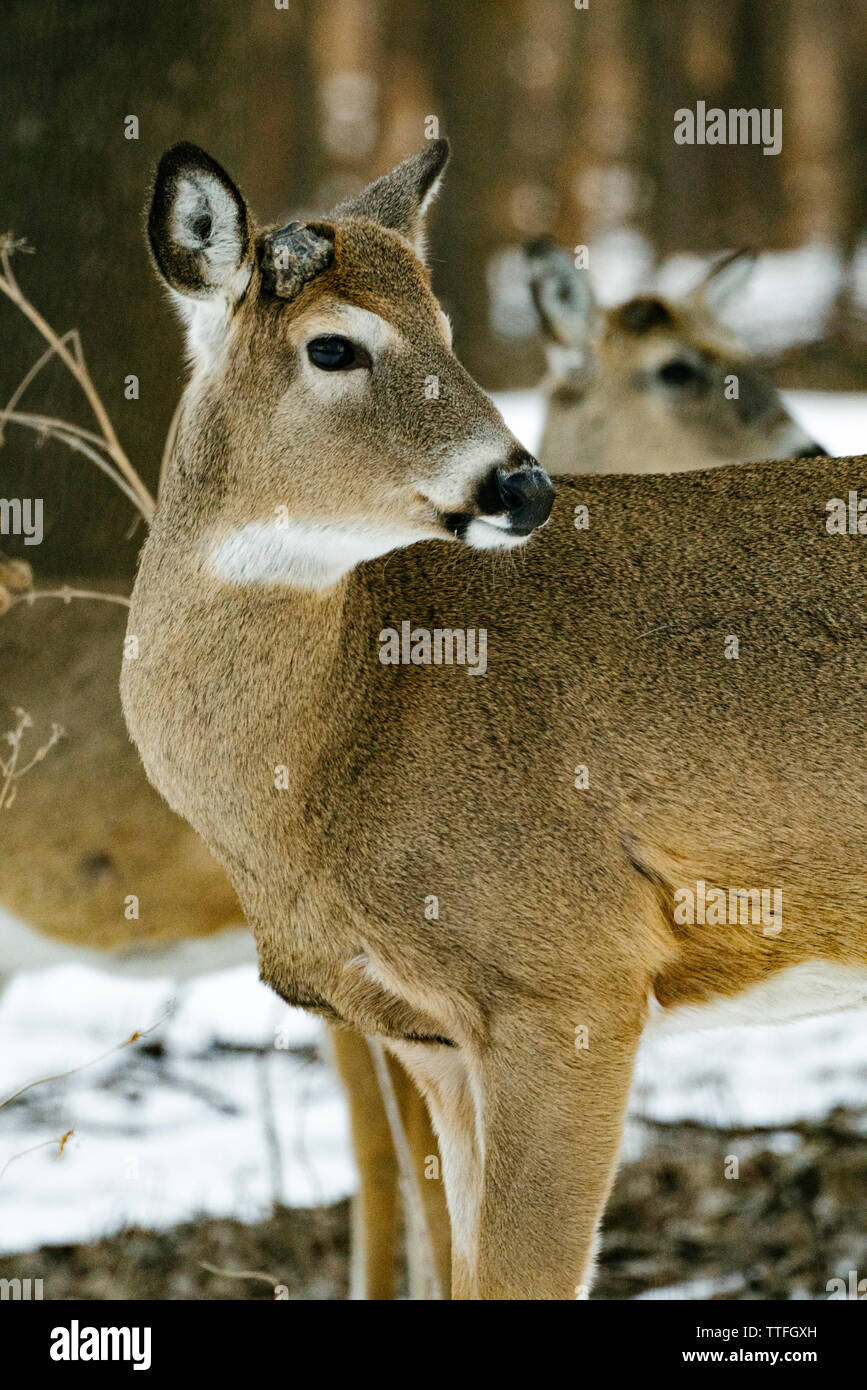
x=67 y=594
x=241 y=1274
x=83 y=1066
x=10 y=771
x=103 y=448
x=60 y=1141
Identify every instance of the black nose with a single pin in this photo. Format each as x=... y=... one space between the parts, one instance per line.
x=525 y=494
x=812 y=451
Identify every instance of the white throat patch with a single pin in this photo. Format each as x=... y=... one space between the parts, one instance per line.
x=302 y=554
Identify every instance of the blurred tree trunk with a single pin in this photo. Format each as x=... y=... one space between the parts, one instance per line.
x=707 y=197
x=850 y=56
x=281 y=153
x=473 y=98
x=75 y=188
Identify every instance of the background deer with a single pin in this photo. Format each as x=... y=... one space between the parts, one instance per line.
x=87 y=830
x=520 y=1009
x=648 y=387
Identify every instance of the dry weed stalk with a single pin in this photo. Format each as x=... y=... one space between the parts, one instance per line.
x=61 y=1141
x=10 y=771
x=242 y=1274
x=83 y=1066
x=67 y=594
x=103 y=448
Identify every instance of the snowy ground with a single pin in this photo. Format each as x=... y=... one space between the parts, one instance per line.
x=161 y=1138
x=209 y=1115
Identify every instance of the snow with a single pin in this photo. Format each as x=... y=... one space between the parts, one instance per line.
x=837 y=419
x=162 y=1138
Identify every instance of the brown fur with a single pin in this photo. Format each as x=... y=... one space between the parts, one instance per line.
x=464 y=788
x=86 y=829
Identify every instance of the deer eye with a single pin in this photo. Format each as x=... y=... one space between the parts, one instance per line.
x=679 y=372
x=331 y=353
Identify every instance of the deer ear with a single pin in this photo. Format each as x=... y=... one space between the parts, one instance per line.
x=399 y=200
x=199 y=227
x=725 y=279
x=563 y=296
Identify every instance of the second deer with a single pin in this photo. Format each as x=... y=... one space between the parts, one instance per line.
x=654 y=385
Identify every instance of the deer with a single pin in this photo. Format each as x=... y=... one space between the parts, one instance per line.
x=653 y=385
x=672 y=704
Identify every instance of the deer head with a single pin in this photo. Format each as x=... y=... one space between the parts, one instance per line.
x=653 y=386
x=327 y=420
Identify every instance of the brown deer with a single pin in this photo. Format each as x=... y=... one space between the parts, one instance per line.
x=654 y=385
x=673 y=704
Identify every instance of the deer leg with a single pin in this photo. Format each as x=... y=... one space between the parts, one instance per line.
x=530 y=1136
x=425 y=1153
x=375 y=1206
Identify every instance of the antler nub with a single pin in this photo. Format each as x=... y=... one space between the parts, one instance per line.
x=293 y=256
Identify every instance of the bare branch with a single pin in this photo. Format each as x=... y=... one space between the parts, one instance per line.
x=73 y=1071
x=74 y=361
x=240 y=1273
x=74 y=437
x=60 y=1141
x=67 y=594
x=10 y=772
x=71 y=336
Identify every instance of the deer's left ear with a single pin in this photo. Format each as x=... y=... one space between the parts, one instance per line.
x=399 y=200
x=199 y=226
x=563 y=296
x=725 y=279
x=201 y=237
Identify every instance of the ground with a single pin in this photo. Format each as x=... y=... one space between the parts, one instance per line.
x=792 y=1219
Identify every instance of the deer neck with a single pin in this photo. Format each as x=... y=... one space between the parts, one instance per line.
x=287 y=655
x=575 y=434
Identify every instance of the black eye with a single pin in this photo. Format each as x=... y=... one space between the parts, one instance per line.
x=679 y=372
x=335 y=354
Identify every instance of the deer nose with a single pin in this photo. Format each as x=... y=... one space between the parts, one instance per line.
x=526 y=495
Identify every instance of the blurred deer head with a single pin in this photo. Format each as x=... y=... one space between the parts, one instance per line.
x=652 y=386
